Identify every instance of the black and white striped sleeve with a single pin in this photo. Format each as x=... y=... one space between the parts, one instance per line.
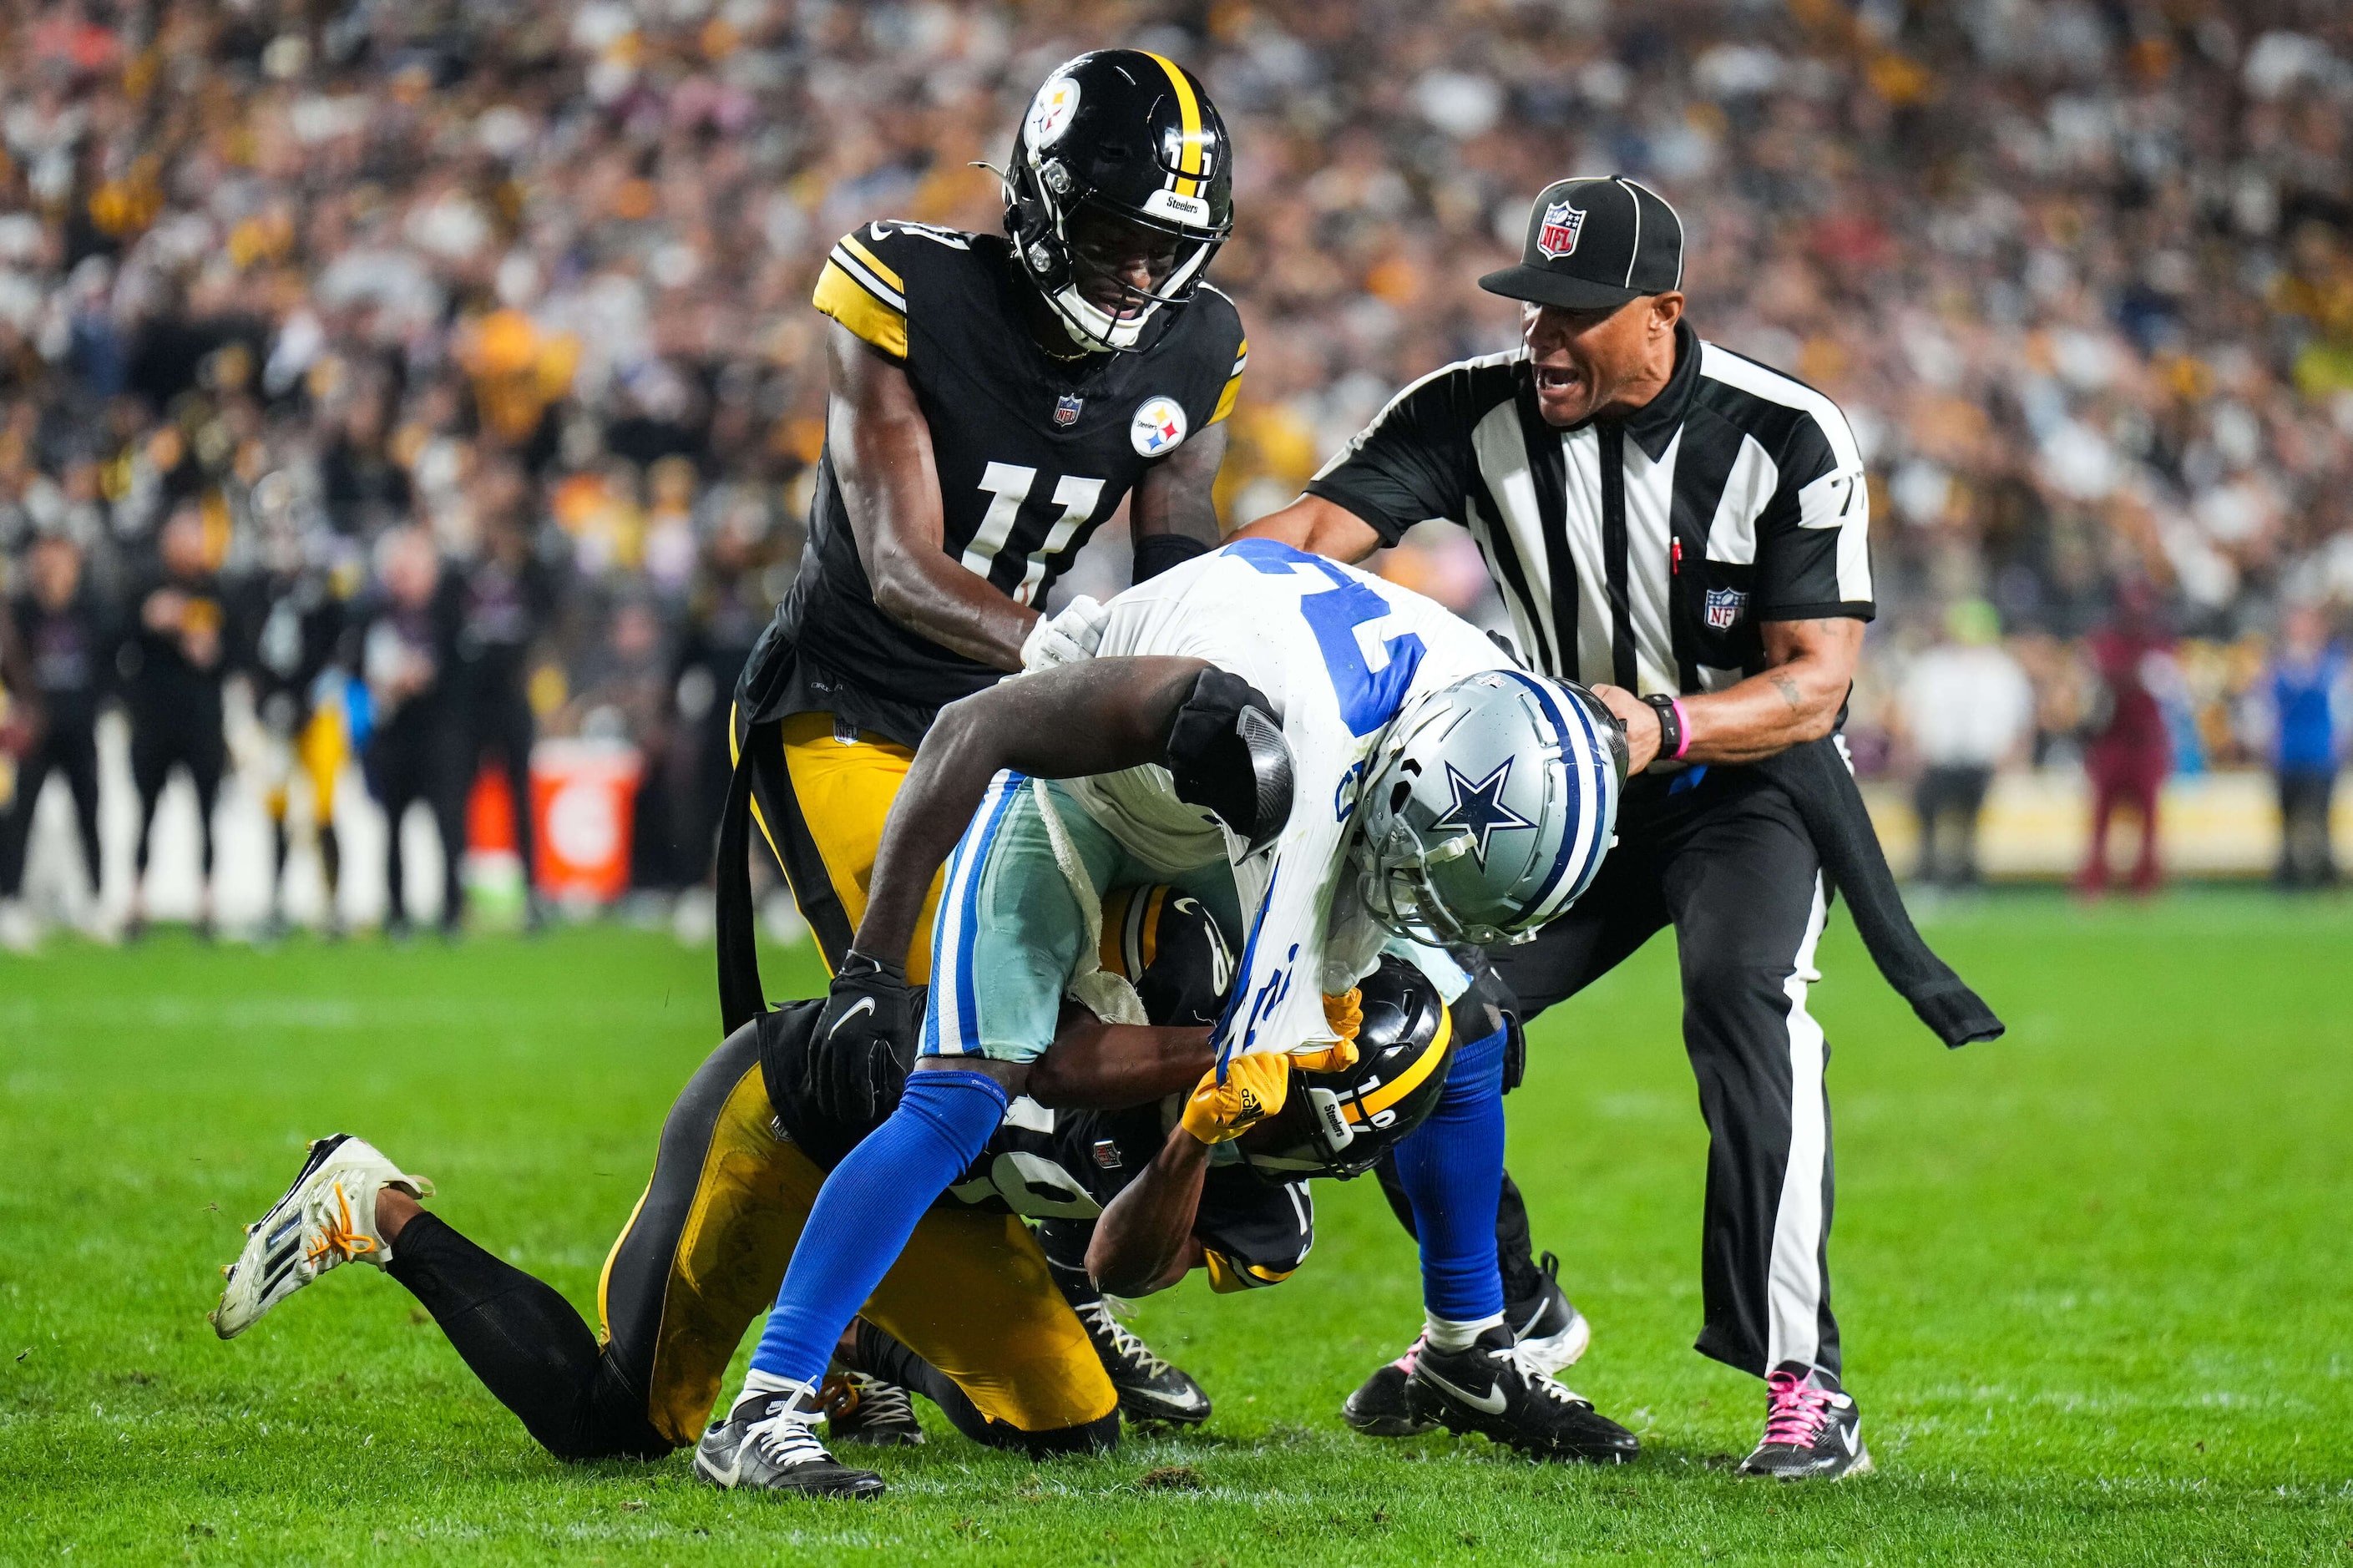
x=1814 y=537
x=1414 y=461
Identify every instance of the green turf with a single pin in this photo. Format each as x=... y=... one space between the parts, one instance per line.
x=2093 y=1278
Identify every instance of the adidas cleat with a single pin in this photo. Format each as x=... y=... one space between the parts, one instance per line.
x=326 y=1220
x=1151 y=1391
x=766 y=1444
x=1812 y=1429
x=1491 y=1388
x=863 y=1409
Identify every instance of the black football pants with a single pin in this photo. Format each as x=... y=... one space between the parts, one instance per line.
x=163 y=736
x=1730 y=866
x=70 y=748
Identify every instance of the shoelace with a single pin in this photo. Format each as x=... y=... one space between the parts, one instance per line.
x=782 y=1436
x=1124 y=1345
x=1537 y=1379
x=1412 y=1352
x=1795 y=1412
x=336 y=1236
x=878 y=1401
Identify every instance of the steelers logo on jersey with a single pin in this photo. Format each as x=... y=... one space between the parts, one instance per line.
x=1050 y=110
x=1158 y=427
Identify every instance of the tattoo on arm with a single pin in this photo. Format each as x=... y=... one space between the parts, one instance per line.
x=1789 y=692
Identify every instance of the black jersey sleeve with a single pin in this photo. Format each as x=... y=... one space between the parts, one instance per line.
x=1252 y=1233
x=864 y=286
x=1225 y=349
x=1414 y=461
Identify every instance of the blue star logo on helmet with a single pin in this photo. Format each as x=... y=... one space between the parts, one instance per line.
x=1479 y=808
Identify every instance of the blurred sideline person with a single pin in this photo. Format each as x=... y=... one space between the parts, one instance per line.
x=408 y=657
x=1686 y=532
x=1967 y=708
x=175 y=666
x=991 y=400
x=509 y=598
x=1232 y=737
x=2129 y=751
x=2308 y=693
x=61 y=645
x=969 y=1316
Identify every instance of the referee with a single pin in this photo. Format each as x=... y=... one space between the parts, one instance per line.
x=1686 y=532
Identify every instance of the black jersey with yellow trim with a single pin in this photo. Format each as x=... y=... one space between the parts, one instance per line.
x=1032 y=452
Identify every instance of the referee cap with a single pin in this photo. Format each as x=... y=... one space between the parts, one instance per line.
x=1595 y=242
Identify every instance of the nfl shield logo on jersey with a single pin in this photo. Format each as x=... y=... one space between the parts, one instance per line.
x=1556 y=236
x=1724 y=607
x=1158 y=426
x=1066 y=409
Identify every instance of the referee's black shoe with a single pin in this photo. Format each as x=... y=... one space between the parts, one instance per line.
x=1812 y=1429
x=1489 y=1387
x=1551 y=1332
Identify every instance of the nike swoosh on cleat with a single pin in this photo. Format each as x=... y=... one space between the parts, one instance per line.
x=865 y=1005
x=728 y=1477
x=1189 y=1400
x=1492 y=1403
x=1852 y=1437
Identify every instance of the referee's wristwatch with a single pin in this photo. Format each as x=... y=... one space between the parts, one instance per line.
x=1671 y=729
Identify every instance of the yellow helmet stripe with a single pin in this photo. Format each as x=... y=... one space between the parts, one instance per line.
x=1405 y=1083
x=1150 y=942
x=1188 y=155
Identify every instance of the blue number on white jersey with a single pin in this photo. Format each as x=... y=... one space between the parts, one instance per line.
x=1368 y=697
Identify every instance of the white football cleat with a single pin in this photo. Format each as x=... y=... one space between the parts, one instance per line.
x=327 y=1219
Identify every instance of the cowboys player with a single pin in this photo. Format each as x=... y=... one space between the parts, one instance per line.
x=993 y=398
x=1237 y=739
x=967 y=1316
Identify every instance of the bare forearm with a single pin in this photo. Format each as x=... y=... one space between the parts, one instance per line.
x=1764 y=715
x=1144 y=1241
x=1092 y=1064
x=934 y=597
x=1319 y=527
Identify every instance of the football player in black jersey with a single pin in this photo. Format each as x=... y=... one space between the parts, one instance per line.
x=994 y=397
x=969 y=1316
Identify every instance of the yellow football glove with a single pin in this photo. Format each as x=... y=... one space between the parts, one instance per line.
x=1345 y=1015
x=1255 y=1088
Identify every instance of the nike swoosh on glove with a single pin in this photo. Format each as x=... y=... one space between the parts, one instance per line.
x=865 y=1042
x=1070 y=637
x=1253 y=1089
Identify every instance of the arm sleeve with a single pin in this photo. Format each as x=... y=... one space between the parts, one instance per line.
x=1813 y=538
x=1252 y=1234
x=860 y=289
x=1412 y=463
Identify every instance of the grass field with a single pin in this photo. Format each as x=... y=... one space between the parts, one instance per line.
x=2093 y=1278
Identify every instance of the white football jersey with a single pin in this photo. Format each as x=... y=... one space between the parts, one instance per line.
x=1337 y=652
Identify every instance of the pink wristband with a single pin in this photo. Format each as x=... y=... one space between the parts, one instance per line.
x=1682 y=728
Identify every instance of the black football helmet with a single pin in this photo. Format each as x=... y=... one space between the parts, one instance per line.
x=1172 y=950
x=1350 y=1118
x=1130 y=136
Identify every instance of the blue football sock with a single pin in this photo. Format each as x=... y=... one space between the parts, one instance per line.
x=1452 y=1170
x=867 y=1210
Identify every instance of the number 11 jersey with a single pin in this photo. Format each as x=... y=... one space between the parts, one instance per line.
x=1032 y=453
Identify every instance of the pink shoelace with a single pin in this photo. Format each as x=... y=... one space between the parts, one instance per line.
x=1796 y=1412
x=1412 y=1352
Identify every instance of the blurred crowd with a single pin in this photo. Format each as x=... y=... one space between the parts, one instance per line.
x=471 y=340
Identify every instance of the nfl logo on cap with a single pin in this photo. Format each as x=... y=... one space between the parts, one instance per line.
x=1066 y=408
x=1557 y=237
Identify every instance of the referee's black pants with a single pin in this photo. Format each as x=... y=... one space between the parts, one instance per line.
x=1727 y=862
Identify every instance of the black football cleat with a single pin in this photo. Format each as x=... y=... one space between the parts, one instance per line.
x=1151 y=1391
x=766 y=1444
x=1490 y=1389
x=1552 y=1332
x=863 y=1409
x=1380 y=1408
x=1812 y=1429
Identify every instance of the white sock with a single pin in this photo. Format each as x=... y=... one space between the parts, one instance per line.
x=761 y=1384
x=1446 y=1334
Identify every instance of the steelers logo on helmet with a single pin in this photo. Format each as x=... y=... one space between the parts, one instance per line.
x=1051 y=111
x=1158 y=426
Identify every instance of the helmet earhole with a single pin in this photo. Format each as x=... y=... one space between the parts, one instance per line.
x=1399 y=793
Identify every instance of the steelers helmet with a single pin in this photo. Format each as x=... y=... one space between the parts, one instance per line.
x=1165 y=942
x=1341 y=1123
x=1128 y=135
x=1487 y=807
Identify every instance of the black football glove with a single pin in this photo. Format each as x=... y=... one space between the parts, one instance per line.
x=865 y=1042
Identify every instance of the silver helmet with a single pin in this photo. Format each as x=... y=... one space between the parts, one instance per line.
x=1487 y=807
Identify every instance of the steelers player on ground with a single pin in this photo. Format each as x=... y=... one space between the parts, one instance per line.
x=993 y=399
x=969 y=1316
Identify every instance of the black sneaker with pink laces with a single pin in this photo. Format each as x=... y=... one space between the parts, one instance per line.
x=1813 y=1428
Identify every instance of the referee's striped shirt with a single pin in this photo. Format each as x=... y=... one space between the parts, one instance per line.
x=1642 y=552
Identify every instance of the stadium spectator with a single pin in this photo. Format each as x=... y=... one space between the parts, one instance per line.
x=408 y=658
x=509 y=600
x=2129 y=751
x=2309 y=692
x=1968 y=710
x=172 y=668
x=57 y=660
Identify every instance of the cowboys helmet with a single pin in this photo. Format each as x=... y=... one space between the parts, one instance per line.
x=1127 y=136
x=1340 y=1123
x=1487 y=807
